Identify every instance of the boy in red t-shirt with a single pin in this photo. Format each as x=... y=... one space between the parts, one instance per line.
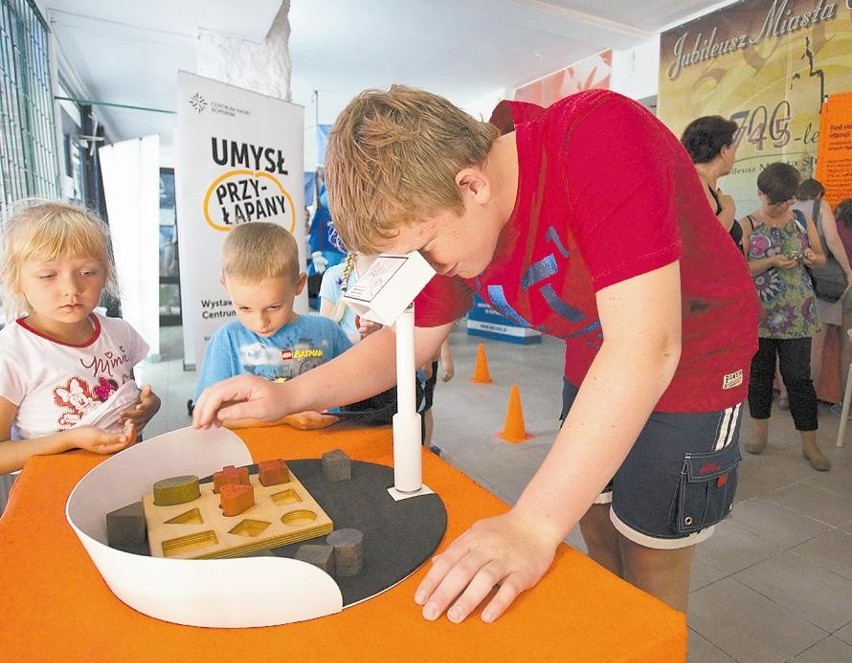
x=585 y=220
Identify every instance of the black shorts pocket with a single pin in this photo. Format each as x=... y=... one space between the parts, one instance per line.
x=708 y=483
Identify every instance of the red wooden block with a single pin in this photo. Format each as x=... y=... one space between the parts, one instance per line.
x=272 y=472
x=236 y=498
x=230 y=475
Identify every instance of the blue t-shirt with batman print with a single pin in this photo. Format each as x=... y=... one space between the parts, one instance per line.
x=295 y=348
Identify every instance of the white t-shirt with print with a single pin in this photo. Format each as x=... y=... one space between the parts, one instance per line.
x=54 y=385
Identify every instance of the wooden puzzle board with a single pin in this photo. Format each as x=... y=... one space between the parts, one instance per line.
x=281 y=515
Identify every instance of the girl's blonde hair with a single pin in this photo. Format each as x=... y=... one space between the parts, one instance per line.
x=340 y=307
x=37 y=230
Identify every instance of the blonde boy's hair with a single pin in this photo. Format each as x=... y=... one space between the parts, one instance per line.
x=260 y=250
x=36 y=230
x=392 y=159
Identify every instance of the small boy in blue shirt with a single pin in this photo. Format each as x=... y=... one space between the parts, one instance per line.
x=260 y=271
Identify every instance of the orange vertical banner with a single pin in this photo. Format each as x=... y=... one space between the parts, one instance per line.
x=834 y=152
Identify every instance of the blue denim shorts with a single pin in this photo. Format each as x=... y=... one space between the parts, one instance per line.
x=679 y=478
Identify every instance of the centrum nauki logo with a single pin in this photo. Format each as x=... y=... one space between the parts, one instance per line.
x=198 y=102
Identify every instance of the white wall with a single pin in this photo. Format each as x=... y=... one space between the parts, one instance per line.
x=635 y=71
x=481 y=108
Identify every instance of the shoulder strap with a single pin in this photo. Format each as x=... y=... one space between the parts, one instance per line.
x=715 y=197
x=750 y=222
x=815 y=213
x=801 y=223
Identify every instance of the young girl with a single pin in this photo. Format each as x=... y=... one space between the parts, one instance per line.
x=66 y=373
x=335 y=282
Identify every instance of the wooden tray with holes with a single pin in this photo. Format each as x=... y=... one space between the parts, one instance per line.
x=282 y=514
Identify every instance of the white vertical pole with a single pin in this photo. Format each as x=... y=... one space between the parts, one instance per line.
x=407 y=459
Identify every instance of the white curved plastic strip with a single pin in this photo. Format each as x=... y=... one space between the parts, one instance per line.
x=221 y=593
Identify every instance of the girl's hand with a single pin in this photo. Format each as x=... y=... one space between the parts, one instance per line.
x=99 y=441
x=506 y=552
x=366 y=327
x=144 y=410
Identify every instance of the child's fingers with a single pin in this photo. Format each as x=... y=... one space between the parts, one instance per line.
x=110 y=446
x=131 y=431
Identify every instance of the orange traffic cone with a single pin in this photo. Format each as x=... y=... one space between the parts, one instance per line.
x=480 y=373
x=513 y=427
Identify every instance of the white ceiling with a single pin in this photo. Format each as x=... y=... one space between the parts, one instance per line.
x=128 y=52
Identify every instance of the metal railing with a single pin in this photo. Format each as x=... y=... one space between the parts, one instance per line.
x=28 y=163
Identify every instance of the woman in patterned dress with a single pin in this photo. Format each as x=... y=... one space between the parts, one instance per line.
x=779 y=243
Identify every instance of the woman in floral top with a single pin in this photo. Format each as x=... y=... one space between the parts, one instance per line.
x=779 y=242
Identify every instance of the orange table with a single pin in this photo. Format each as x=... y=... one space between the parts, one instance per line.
x=56 y=607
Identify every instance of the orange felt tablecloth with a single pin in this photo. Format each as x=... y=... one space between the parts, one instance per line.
x=56 y=607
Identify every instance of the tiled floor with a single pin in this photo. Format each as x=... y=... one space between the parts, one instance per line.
x=775 y=581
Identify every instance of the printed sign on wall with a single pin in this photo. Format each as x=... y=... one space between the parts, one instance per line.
x=239 y=160
x=834 y=157
x=769 y=65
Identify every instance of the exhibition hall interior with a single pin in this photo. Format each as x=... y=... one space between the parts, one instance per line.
x=178 y=121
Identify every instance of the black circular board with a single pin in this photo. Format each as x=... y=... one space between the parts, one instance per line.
x=398 y=535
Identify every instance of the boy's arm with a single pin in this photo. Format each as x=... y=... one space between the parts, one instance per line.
x=309 y=420
x=641 y=321
x=368 y=368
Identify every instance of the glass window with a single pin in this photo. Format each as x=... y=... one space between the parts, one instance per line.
x=27 y=129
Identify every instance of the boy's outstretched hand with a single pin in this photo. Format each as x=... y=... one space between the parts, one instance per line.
x=506 y=552
x=241 y=397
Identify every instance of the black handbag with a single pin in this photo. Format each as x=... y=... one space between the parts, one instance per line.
x=829 y=280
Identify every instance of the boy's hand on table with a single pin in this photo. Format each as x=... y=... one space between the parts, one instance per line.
x=241 y=397
x=310 y=420
x=505 y=552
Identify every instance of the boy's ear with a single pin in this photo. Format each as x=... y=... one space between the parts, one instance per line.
x=474 y=181
x=222 y=281
x=300 y=283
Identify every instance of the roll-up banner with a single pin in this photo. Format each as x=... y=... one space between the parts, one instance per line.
x=239 y=159
x=769 y=65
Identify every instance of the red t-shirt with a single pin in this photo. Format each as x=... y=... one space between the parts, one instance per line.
x=605 y=193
